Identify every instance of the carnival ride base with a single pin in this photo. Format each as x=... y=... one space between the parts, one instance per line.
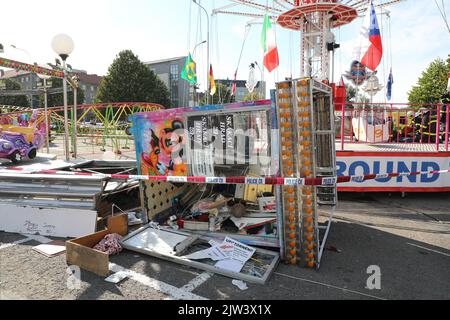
x=392 y=147
x=366 y=159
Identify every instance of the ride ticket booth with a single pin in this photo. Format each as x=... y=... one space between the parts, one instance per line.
x=262 y=173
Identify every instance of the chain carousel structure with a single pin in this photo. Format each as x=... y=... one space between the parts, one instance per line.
x=314 y=19
x=305 y=111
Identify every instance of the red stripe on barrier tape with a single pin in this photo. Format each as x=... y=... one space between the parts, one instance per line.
x=323 y=181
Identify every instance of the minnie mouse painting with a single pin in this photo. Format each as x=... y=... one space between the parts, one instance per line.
x=165 y=155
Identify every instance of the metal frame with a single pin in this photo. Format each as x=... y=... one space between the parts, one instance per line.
x=296 y=100
x=199 y=265
x=51 y=191
x=266 y=108
x=324 y=239
x=109 y=115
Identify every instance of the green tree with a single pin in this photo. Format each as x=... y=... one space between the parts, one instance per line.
x=17 y=101
x=253 y=96
x=222 y=96
x=130 y=80
x=355 y=96
x=57 y=99
x=432 y=84
x=351 y=93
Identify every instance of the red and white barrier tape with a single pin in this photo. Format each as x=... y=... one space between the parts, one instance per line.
x=323 y=181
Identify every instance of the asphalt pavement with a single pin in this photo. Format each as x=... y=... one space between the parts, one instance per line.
x=407 y=239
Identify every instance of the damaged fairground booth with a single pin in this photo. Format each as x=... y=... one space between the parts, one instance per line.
x=258 y=175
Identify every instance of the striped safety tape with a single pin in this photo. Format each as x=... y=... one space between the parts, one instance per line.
x=322 y=181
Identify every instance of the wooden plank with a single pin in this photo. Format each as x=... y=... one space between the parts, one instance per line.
x=90 y=240
x=118 y=224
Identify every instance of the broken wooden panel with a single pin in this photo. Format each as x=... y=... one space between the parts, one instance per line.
x=158 y=196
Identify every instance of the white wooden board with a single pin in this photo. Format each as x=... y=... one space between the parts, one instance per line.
x=160 y=241
x=64 y=223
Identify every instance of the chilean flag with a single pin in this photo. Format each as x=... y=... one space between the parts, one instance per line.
x=371 y=46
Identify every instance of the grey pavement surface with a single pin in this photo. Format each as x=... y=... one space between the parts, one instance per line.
x=408 y=238
x=94 y=148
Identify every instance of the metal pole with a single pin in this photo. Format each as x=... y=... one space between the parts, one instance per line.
x=47 y=129
x=66 y=115
x=343 y=127
x=207 y=52
x=75 y=121
x=208 y=58
x=332 y=67
x=438 y=127
x=447 y=125
x=193 y=55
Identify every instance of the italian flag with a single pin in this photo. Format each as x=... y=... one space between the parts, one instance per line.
x=271 y=59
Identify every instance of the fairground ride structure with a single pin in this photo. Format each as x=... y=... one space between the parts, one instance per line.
x=306 y=118
x=313 y=18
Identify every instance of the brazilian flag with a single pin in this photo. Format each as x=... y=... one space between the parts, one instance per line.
x=189 y=73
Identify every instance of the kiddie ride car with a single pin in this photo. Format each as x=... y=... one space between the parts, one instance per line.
x=23 y=140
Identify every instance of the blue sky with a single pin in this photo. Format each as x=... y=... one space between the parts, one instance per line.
x=160 y=29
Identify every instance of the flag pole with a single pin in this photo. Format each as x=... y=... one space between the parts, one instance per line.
x=197 y=2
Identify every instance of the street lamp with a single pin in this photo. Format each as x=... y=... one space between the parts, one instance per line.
x=74 y=83
x=44 y=79
x=30 y=60
x=63 y=46
x=24 y=51
x=195 y=48
x=193 y=55
x=207 y=54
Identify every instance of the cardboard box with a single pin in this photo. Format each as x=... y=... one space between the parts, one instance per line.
x=80 y=251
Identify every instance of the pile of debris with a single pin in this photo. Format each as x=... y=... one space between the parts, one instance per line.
x=249 y=213
x=222 y=212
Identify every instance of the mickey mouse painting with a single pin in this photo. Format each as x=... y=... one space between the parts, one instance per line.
x=165 y=155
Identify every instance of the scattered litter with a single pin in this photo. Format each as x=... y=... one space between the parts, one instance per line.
x=230 y=254
x=196 y=225
x=110 y=244
x=230 y=257
x=51 y=249
x=267 y=204
x=237 y=255
x=216 y=253
x=333 y=248
x=240 y=284
x=238 y=210
x=117 y=277
x=250 y=223
x=133 y=220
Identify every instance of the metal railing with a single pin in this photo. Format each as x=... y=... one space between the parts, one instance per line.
x=102 y=126
x=390 y=124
